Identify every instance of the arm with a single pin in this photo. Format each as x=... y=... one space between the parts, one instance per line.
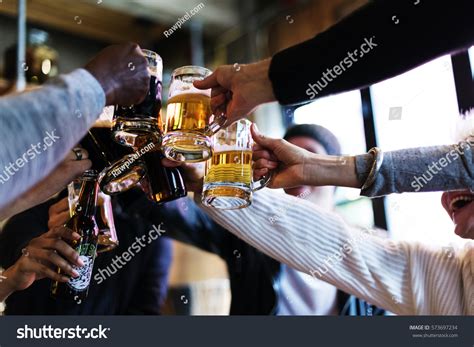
x=397 y=276
x=445 y=167
x=67 y=171
x=41 y=126
x=379 y=41
x=395 y=48
x=184 y=221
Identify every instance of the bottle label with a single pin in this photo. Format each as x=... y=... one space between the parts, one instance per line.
x=87 y=254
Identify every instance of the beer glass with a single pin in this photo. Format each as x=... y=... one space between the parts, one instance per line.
x=228 y=180
x=189 y=120
x=104 y=217
x=138 y=125
x=118 y=167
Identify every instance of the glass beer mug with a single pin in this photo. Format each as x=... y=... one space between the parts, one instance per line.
x=228 y=181
x=138 y=125
x=189 y=119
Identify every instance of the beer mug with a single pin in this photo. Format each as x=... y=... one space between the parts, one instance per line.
x=138 y=125
x=228 y=181
x=118 y=167
x=189 y=120
x=104 y=217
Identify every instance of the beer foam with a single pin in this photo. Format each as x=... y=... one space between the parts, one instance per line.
x=227 y=148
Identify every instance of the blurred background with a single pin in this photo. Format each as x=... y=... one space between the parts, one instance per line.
x=419 y=108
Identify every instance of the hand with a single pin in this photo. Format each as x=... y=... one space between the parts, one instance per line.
x=193 y=174
x=292 y=166
x=59 y=213
x=122 y=72
x=41 y=258
x=56 y=181
x=284 y=160
x=236 y=92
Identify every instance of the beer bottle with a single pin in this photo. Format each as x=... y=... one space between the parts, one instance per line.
x=82 y=222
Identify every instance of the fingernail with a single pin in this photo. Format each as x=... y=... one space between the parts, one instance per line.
x=65 y=279
x=80 y=262
x=75 y=273
x=76 y=235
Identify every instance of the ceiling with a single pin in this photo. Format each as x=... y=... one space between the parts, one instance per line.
x=220 y=14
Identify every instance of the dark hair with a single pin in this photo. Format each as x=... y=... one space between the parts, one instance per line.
x=318 y=133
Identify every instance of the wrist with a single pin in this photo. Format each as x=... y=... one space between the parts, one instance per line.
x=257 y=76
x=7 y=283
x=106 y=83
x=327 y=170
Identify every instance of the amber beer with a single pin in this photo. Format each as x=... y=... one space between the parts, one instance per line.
x=189 y=120
x=229 y=177
x=188 y=112
x=83 y=222
x=228 y=182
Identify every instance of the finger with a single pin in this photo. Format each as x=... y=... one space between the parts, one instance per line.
x=59 y=207
x=43 y=271
x=218 y=101
x=209 y=82
x=51 y=259
x=76 y=154
x=62 y=233
x=263 y=154
x=58 y=219
x=265 y=163
x=65 y=250
x=259 y=173
x=218 y=91
x=263 y=141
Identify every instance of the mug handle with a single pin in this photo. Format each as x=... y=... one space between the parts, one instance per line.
x=262 y=182
x=216 y=124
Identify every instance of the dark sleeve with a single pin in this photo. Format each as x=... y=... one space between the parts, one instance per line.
x=19 y=231
x=153 y=284
x=424 y=32
x=184 y=221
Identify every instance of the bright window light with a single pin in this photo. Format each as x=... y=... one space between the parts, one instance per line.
x=418 y=108
x=342 y=115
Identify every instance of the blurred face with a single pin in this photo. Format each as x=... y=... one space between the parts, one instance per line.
x=319 y=195
x=460 y=208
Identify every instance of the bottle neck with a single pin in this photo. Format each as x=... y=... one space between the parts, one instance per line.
x=87 y=202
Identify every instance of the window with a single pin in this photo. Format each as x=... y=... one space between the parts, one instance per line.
x=342 y=115
x=418 y=108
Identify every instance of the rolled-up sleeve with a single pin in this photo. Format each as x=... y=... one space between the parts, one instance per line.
x=425 y=169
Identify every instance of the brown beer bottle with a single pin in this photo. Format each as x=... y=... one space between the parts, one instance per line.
x=82 y=222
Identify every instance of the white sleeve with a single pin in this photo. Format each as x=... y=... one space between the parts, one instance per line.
x=404 y=278
x=39 y=127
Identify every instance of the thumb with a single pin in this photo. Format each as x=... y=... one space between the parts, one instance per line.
x=207 y=83
x=262 y=140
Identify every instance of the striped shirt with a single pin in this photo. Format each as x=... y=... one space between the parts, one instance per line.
x=406 y=278
x=39 y=127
